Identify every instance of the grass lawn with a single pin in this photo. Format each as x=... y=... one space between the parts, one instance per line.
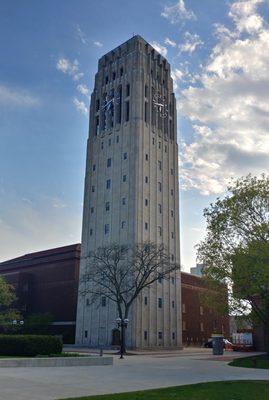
x=251 y=362
x=230 y=390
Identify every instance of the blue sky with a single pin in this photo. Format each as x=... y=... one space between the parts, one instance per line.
x=219 y=53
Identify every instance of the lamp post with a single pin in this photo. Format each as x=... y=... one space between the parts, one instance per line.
x=15 y=323
x=122 y=324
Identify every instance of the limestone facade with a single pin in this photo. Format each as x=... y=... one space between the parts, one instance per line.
x=131 y=188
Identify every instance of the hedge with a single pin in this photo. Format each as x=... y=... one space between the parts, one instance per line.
x=29 y=345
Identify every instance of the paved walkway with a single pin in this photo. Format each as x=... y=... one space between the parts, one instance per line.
x=136 y=372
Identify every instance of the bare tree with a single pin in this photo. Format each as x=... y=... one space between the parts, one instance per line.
x=120 y=273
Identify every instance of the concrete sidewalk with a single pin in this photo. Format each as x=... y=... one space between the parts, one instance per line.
x=136 y=372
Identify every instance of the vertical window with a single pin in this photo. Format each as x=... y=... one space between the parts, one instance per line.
x=102 y=145
x=107 y=206
x=103 y=301
x=87 y=302
x=173 y=304
x=94 y=167
x=146 y=91
x=109 y=142
x=145 y=335
x=114 y=76
x=121 y=71
x=124 y=178
x=160 y=335
x=172 y=192
x=146 y=202
x=85 y=334
x=146 y=111
x=123 y=224
x=160 y=302
x=106 y=80
x=172 y=213
x=160 y=145
x=165 y=149
x=160 y=278
x=108 y=162
x=108 y=184
x=172 y=235
x=97 y=125
x=172 y=257
x=173 y=280
x=153 y=141
x=91 y=232
x=145 y=300
x=128 y=90
x=93 y=188
x=106 y=229
x=127 y=111
x=201 y=310
x=173 y=335
x=183 y=325
x=92 y=210
x=146 y=179
x=117 y=139
x=160 y=165
x=183 y=308
x=118 y=104
x=160 y=208
x=97 y=108
x=160 y=186
x=160 y=230
x=201 y=326
x=147 y=157
x=125 y=156
x=123 y=201
x=172 y=171
x=146 y=226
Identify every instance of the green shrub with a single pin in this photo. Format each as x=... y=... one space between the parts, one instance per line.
x=29 y=345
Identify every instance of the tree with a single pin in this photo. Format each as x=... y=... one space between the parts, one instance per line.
x=236 y=248
x=7 y=312
x=38 y=324
x=120 y=273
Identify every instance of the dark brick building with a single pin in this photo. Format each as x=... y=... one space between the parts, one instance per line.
x=198 y=322
x=47 y=281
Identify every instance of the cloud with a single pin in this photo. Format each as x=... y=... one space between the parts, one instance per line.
x=229 y=107
x=83 y=90
x=161 y=49
x=70 y=68
x=170 y=42
x=192 y=42
x=81 y=35
x=98 y=44
x=17 y=97
x=80 y=106
x=177 y=12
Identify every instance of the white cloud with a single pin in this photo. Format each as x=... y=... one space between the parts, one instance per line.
x=70 y=68
x=83 y=90
x=177 y=12
x=229 y=107
x=81 y=35
x=161 y=49
x=98 y=44
x=17 y=97
x=191 y=43
x=80 y=106
x=170 y=42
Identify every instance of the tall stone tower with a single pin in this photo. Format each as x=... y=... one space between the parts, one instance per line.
x=131 y=189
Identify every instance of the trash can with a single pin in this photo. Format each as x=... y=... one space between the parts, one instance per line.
x=217 y=345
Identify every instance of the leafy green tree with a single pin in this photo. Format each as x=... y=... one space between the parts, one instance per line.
x=7 y=299
x=236 y=248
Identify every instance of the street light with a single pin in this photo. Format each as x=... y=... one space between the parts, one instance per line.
x=122 y=323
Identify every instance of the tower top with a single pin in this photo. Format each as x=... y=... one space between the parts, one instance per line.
x=135 y=43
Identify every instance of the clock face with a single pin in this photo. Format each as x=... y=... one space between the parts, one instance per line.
x=159 y=102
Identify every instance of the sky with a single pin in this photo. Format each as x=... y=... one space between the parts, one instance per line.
x=219 y=55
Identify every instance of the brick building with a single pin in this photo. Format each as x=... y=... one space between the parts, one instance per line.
x=198 y=322
x=47 y=281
